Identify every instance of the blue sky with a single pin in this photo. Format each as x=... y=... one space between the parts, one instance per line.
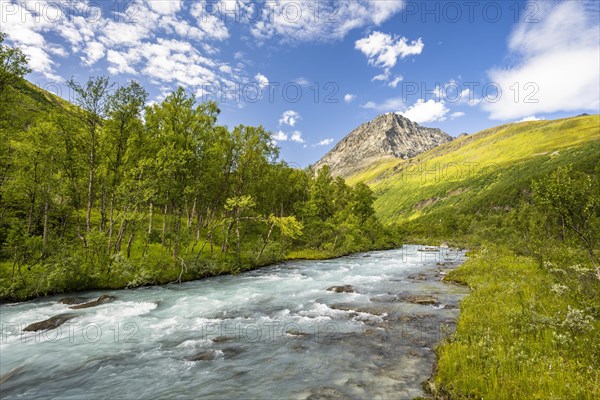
x=322 y=68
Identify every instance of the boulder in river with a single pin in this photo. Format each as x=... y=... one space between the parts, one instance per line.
x=206 y=355
x=100 y=300
x=221 y=339
x=421 y=299
x=327 y=393
x=342 y=289
x=377 y=310
x=50 y=323
x=73 y=300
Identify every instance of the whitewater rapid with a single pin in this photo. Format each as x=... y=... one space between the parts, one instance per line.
x=271 y=333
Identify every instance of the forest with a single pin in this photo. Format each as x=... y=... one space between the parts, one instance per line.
x=115 y=192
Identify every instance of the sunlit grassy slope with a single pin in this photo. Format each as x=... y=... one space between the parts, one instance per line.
x=482 y=171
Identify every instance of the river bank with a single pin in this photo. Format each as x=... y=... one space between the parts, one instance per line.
x=524 y=332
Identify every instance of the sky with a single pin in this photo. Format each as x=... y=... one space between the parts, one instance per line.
x=311 y=71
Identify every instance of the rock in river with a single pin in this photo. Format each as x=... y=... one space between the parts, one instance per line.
x=50 y=323
x=100 y=300
x=209 y=355
x=73 y=300
x=342 y=289
x=421 y=299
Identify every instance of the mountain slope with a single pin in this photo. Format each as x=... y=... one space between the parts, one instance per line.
x=389 y=136
x=480 y=173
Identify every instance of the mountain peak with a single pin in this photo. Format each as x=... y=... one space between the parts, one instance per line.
x=388 y=135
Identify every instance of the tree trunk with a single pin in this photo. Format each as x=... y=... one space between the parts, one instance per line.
x=103 y=210
x=88 y=220
x=164 y=227
x=192 y=213
x=266 y=241
x=150 y=218
x=120 y=236
x=177 y=228
x=31 y=211
x=130 y=241
x=45 y=234
x=111 y=221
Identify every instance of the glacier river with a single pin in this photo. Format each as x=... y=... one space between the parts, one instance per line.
x=271 y=333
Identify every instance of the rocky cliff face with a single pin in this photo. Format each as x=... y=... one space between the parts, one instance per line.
x=387 y=136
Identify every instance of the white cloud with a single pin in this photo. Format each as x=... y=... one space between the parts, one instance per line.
x=290 y=118
x=165 y=7
x=384 y=50
x=384 y=76
x=557 y=65
x=396 y=81
x=262 y=80
x=426 y=111
x=128 y=43
x=297 y=137
x=457 y=114
x=295 y=21
x=302 y=81
x=40 y=61
x=392 y=104
x=93 y=52
x=531 y=118
x=118 y=63
x=280 y=136
x=324 y=142
x=349 y=97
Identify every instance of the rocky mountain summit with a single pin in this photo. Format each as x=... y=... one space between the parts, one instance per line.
x=387 y=136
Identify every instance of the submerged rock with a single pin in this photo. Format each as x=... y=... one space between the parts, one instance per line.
x=73 y=300
x=100 y=300
x=421 y=299
x=377 y=310
x=428 y=249
x=221 y=339
x=10 y=374
x=50 y=323
x=206 y=355
x=327 y=393
x=296 y=333
x=342 y=289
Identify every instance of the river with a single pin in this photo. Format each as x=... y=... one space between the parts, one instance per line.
x=271 y=333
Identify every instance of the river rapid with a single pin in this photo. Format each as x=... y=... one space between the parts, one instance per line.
x=272 y=333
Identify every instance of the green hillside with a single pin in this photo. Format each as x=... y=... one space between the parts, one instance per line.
x=481 y=173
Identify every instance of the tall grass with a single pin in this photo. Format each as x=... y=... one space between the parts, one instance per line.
x=523 y=332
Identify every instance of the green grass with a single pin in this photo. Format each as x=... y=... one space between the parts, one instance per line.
x=518 y=336
x=473 y=171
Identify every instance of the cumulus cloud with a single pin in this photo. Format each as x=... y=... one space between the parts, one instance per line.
x=557 y=64
x=130 y=43
x=392 y=104
x=383 y=50
x=396 y=81
x=280 y=136
x=297 y=137
x=531 y=118
x=262 y=80
x=426 y=111
x=349 y=97
x=295 y=21
x=457 y=114
x=290 y=118
x=324 y=142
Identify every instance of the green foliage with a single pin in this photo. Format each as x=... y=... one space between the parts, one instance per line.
x=13 y=64
x=99 y=197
